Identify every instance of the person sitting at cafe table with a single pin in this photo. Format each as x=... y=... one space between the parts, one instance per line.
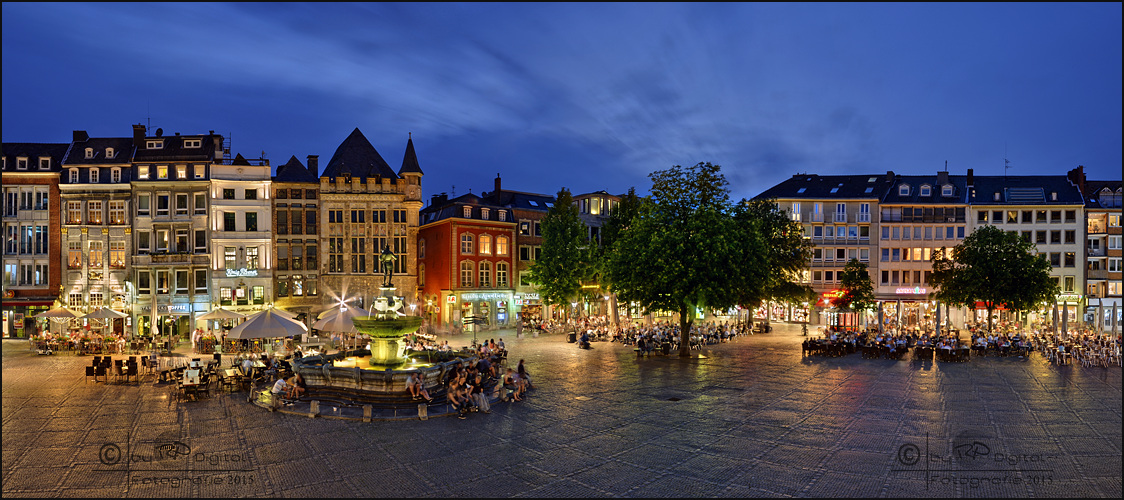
x=296 y=386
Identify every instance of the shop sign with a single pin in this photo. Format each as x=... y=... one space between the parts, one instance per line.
x=484 y=296
x=173 y=308
x=452 y=299
x=236 y=273
x=911 y=291
x=528 y=296
x=834 y=294
x=1069 y=298
x=518 y=301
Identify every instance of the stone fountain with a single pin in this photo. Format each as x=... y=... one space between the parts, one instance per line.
x=342 y=377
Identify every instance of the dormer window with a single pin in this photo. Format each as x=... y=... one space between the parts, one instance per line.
x=926 y=190
x=997 y=196
x=21 y=163
x=89 y=153
x=44 y=163
x=503 y=215
x=94 y=175
x=1053 y=196
x=74 y=176
x=154 y=144
x=192 y=143
x=142 y=171
x=484 y=212
x=946 y=190
x=903 y=190
x=108 y=153
x=468 y=212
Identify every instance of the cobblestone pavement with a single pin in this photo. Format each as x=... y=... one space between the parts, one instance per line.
x=748 y=418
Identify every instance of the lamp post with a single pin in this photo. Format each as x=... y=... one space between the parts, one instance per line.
x=804 y=324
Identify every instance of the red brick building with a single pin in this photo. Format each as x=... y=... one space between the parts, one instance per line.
x=466 y=262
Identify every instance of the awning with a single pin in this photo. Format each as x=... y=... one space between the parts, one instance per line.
x=983 y=305
x=28 y=302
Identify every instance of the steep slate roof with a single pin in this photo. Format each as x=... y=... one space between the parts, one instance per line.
x=357 y=157
x=1093 y=193
x=1024 y=190
x=33 y=150
x=822 y=186
x=959 y=190
x=173 y=149
x=410 y=160
x=122 y=151
x=520 y=200
x=454 y=208
x=294 y=171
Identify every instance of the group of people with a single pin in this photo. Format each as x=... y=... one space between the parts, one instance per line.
x=285 y=390
x=650 y=338
x=465 y=385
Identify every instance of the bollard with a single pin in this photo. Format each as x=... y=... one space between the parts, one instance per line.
x=366 y=413
x=314 y=409
x=423 y=411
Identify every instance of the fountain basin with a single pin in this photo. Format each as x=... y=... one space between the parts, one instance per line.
x=387 y=328
x=319 y=372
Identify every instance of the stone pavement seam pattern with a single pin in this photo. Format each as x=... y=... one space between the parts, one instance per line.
x=748 y=418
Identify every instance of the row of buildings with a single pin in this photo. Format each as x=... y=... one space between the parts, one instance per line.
x=165 y=228
x=894 y=223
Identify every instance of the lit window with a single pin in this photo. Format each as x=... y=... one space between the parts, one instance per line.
x=485 y=244
x=181 y=171
x=142 y=171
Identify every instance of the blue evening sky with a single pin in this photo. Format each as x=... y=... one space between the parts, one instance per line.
x=587 y=96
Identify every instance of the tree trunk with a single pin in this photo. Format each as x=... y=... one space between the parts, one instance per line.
x=989 y=306
x=685 y=330
x=616 y=313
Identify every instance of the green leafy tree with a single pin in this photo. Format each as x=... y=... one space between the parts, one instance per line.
x=619 y=221
x=995 y=267
x=787 y=253
x=685 y=249
x=857 y=287
x=558 y=271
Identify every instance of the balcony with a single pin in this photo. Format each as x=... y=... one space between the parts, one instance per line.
x=817 y=217
x=171 y=258
x=840 y=217
x=864 y=217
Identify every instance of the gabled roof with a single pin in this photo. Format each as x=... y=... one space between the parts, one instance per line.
x=33 y=151
x=1025 y=190
x=410 y=160
x=812 y=186
x=122 y=151
x=356 y=156
x=294 y=171
x=239 y=160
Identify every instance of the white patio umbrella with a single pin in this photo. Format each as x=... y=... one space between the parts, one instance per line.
x=58 y=315
x=267 y=324
x=1065 y=319
x=339 y=320
x=105 y=313
x=1114 y=317
x=220 y=313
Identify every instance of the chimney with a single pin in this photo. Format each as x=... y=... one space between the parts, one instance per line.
x=138 y=136
x=942 y=177
x=1077 y=177
x=971 y=179
x=497 y=191
x=889 y=176
x=81 y=136
x=314 y=165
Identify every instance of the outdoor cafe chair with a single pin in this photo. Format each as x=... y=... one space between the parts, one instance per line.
x=91 y=373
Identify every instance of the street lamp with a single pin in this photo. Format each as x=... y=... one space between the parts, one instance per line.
x=804 y=324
